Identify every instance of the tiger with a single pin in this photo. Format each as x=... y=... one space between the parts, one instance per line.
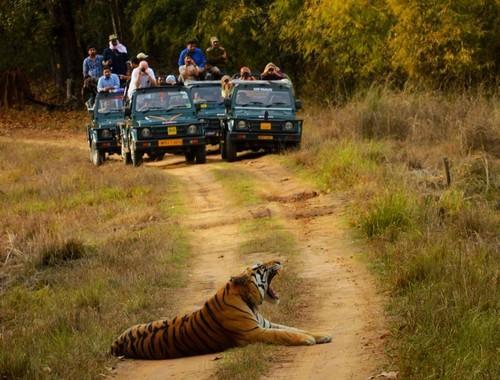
x=230 y=318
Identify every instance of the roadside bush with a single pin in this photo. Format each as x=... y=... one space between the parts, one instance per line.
x=388 y=215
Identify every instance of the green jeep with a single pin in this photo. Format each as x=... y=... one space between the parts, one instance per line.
x=103 y=134
x=260 y=115
x=161 y=120
x=209 y=103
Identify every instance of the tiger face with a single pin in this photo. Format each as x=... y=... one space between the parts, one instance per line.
x=255 y=283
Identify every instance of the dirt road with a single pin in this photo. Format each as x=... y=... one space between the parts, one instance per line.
x=344 y=297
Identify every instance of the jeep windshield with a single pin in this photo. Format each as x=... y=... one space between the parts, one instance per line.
x=208 y=94
x=263 y=97
x=162 y=101
x=110 y=104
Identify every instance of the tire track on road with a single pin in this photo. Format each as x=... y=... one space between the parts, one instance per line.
x=344 y=297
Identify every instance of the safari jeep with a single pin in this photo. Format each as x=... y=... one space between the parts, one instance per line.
x=210 y=106
x=103 y=134
x=260 y=115
x=161 y=120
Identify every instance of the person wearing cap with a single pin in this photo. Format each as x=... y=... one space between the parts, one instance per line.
x=216 y=58
x=142 y=76
x=116 y=56
x=195 y=53
x=272 y=72
x=108 y=82
x=170 y=80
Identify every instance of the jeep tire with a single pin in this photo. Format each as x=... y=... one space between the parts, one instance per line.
x=201 y=154
x=230 y=148
x=96 y=156
x=190 y=155
x=136 y=157
x=126 y=159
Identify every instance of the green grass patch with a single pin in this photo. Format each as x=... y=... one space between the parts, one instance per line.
x=267 y=236
x=388 y=215
x=238 y=184
x=103 y=251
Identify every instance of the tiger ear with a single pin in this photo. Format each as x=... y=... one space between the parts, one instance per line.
x=239 y=280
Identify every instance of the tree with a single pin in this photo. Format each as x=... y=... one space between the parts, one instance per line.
x=442 y=42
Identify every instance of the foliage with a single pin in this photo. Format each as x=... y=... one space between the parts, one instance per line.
x=444 y=41
x=345 y=45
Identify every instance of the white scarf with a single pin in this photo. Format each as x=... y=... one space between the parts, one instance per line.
x=120 y=47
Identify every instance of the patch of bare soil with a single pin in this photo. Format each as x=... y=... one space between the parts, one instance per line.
x=343 y=297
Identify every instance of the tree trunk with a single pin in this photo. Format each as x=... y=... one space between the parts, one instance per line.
x=117 y=17
x=64 y=41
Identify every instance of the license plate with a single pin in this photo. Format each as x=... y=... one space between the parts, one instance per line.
x=265 y=126
x=265 y=137
x=172 y=131
x=172 y=142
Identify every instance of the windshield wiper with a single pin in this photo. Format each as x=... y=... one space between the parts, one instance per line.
x=251 y=103
x=176 y=107
x=278 y=104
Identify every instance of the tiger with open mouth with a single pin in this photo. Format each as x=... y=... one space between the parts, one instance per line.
x=229 y=319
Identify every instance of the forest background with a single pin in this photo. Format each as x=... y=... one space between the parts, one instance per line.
x=344 y=45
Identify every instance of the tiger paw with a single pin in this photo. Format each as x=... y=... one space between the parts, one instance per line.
x=322 y=339
x=310 y=341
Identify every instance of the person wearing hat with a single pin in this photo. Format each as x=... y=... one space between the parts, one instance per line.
x=216 y=58
x=116 y=56
x=195 y=53
x=170 y=80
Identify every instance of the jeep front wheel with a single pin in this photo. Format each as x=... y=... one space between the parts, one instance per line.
x=201 y=155
x=126 y=159
x=96 y=156
x=135 y=156
x=231 y=152
x=190 y=155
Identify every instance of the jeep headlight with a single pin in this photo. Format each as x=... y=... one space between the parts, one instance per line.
x=288 y=126
x=146 y=132
x=241 y=124
x=192 y=130
x=106 y=133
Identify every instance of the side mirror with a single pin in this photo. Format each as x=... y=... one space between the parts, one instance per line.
x=197 y=106
x=298 y=104
x=227 y=103
x=127 y=111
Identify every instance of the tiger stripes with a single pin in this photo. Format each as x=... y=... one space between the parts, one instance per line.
x=228 y=319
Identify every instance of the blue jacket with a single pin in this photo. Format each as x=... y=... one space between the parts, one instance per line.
x=197 y=55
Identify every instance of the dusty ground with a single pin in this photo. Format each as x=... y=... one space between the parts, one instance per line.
x=343 y=294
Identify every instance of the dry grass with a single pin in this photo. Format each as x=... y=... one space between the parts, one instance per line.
x=86 y=253
x=436 y=247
